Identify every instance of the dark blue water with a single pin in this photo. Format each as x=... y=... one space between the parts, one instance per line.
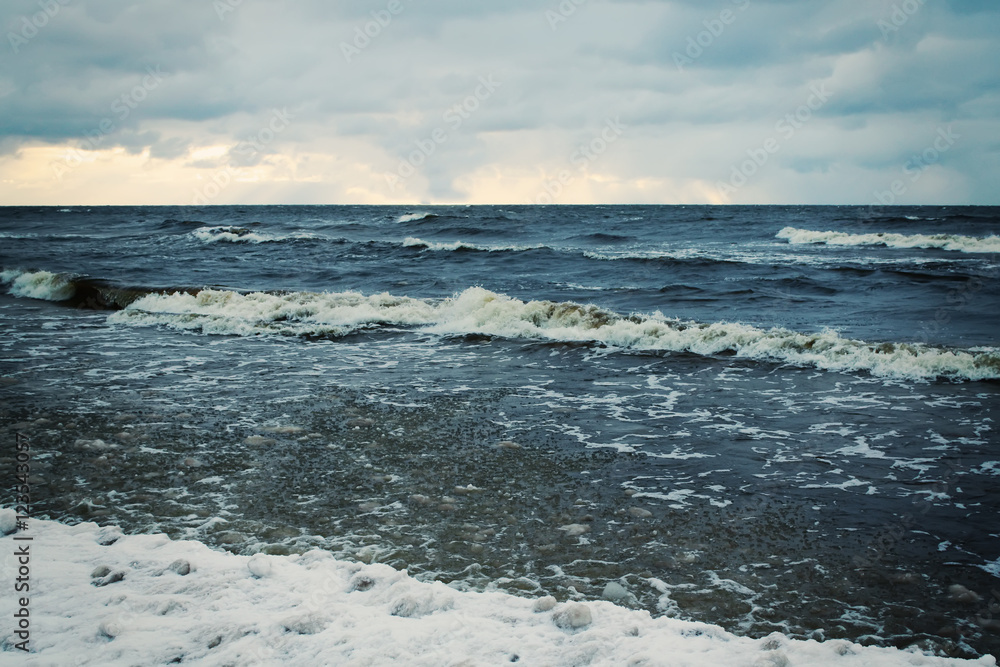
x=742 y=418
x=700 y=263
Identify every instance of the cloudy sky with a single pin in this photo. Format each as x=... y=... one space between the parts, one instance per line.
x=441 y=101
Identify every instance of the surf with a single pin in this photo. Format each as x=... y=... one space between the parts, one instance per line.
x=952 y=242
x=478 y=311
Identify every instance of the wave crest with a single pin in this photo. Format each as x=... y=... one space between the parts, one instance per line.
x=480 y=311
x=242 y=235
x=76 y=290
x=413 y=242
x=953 y=242
x=413 y=217
x=257 y=313
x=43 y=285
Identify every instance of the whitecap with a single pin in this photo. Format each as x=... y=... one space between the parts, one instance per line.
x=955 y=242
x=480 y=311
x=413 y=217
x=43 y=285
x=414 y=242
x=242 y=235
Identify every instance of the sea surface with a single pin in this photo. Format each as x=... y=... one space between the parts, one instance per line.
x=766 y=418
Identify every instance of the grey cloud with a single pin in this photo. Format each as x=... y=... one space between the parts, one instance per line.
x=224 y=76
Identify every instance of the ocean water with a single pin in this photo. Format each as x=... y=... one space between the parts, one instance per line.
x=765 y=418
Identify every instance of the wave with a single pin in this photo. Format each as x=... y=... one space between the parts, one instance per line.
x=467 y=230
x=953 y=242
x=413 y=242
x=43 y=237
x=43 y=285
x=296 y=313
x=738 y=258
x=670 y=258
x=174 y=222
x=413 y=217
x=602 y=237
x=478 y=311
x=987 y=215
x=77 y=291
x=243 y=235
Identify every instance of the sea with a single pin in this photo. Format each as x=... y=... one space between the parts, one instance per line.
x=767 y=418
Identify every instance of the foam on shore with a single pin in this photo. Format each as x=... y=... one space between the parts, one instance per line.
x=100 y=598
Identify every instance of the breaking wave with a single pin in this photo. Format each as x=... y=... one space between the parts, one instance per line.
x=43 y=285
x=77 y=291
x=412 y=242
x=242 y=235
x=413 y=217
x=940 y=241
x=478 y=311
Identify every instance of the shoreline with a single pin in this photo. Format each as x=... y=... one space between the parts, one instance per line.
x=101 y=597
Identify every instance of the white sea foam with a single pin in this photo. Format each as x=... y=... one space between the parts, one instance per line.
x=753 y=257
x=413 y=242
x=296 y=313
x=242 y=235
x=480 y=311
x=163 y=602
x=31 y=235
x=612 y=256
x=42 y=285
x=413 y=217
x=954 y=242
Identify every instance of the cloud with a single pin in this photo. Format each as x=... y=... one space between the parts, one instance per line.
x=368 y=82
